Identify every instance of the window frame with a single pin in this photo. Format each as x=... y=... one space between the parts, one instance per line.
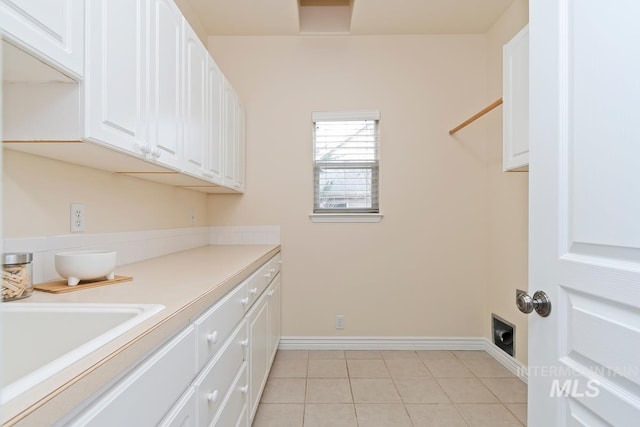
x=369 y=214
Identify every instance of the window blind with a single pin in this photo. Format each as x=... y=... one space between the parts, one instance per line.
x=345 y=163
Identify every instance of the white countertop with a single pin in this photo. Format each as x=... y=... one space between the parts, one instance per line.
x=186 y=283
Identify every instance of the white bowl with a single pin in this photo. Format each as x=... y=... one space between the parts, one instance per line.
x=85 y=265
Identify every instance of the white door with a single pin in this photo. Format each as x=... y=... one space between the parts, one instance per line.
x=585 y=212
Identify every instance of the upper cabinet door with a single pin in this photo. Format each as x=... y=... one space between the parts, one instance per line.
x=115 y=74
x=229 y=135
x=194 y=101
x=52 y=30
x=515 y=93
x=238 y=184
x=215 y=154
x=165 y=82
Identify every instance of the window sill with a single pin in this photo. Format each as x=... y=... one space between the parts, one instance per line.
x=345 y=217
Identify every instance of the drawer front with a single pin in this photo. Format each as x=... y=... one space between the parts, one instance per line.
x=216 y=378
x=216 y=324
x=234 y=410
x=184 y=411
x=147 y=393
x=258 y=281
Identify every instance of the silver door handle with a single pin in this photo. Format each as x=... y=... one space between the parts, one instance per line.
x=540 y=303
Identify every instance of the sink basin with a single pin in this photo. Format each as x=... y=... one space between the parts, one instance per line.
x=39 y=340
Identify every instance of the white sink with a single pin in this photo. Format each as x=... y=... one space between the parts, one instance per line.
x=39 y=340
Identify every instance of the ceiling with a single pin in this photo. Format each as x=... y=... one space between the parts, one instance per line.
x=359 y=17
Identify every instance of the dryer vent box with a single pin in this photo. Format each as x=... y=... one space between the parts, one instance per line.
x=504 y=334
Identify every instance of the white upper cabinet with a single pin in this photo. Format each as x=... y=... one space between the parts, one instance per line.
x=165 y=82
x=516 y=102
x=146 y=96
x=215 y=152
x=194 y=101
x=234 y=146
x=51 y=30
x=115 y=80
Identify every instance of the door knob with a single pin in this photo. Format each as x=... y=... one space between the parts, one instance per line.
x=540 y=303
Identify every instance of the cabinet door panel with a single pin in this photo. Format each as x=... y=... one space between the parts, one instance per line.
x=274 y=316
x=195 y=85
x=53 y=30
x=146 y=394
x=516 y=102
x=165 y=81
x=215 y=155
x=258 y=351
x=229 y=135
x=114 y=102
x=183 y=413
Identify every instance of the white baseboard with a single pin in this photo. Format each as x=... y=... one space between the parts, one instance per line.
x=406 y=343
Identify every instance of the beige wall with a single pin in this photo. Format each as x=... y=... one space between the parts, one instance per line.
x=37 y=192
x=507 y=195
x=421 y=271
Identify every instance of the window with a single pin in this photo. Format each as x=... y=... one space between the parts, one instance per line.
x=345 y=155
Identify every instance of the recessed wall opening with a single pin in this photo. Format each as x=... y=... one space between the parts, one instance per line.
x=504 y=334
x=325 y=16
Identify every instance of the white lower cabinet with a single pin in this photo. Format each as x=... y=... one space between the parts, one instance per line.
x=147 y=393
x=184 y=412
x=216 y=378
x=211 y=374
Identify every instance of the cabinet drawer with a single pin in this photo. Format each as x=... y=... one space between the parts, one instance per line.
x=258 y=281
x=184 y=411
x=147 y=393
x=216 y=378
x=216 y=324
x=234 y=409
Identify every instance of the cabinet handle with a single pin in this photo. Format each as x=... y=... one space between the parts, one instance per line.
x=273 y=270
x=145 y=149
x=270 y=293
x=245 y=342
x=244 y=389
x=268 y=275
x=213 y=397
x=156 y=153
x=213 y=337
x=253 y=291
x=245 y=300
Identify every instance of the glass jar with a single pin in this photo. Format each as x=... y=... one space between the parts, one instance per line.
x=16 y=275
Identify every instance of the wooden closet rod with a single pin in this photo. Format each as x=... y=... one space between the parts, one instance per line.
x=476 y=116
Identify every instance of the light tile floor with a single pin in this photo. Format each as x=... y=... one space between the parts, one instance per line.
x=389 y=389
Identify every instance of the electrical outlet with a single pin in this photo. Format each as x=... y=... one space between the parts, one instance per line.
x=340 y=321
x=77 y=217
x=192 y=216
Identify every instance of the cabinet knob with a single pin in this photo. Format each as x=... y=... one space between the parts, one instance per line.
x=280 y=261
x=244 y=389
x=213 y=337
x=245 y=300
x=245 y=342
x=270 y=293
x=156 y=153
x=145 y=149
x=273 y=270
x=253 y=291
x=268 y=275
x=213 y=397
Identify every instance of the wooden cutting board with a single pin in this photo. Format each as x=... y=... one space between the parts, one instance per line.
x=60 y=286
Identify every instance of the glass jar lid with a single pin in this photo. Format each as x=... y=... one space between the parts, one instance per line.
x=16 y=258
